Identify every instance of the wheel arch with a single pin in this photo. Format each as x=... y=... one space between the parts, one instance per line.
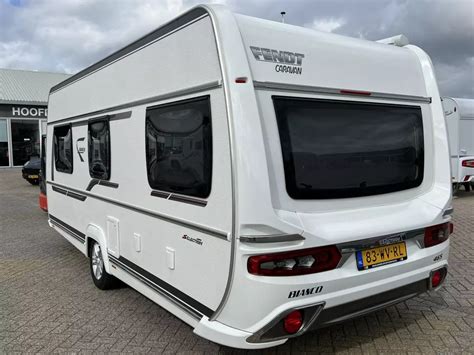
x=95 y=234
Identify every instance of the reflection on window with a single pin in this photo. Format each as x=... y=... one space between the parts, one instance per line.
x=99 y=149
x=179 y=147
x=63 y=148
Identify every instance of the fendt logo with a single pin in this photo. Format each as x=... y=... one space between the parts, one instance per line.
x=289 y=62
x=305 y=292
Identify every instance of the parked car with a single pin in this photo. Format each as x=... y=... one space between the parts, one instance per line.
x=31 y=170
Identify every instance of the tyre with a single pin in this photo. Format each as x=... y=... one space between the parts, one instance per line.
x=455 y=188
x=101 y=278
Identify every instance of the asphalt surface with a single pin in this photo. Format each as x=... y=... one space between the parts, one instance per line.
x=48 y=303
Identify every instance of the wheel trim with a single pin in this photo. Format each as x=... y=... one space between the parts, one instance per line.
x=97 y=262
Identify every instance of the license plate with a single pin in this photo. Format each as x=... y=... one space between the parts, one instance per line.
x=387 y=254
x=33 y=176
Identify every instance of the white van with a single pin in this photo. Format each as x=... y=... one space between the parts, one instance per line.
x=256 y=179
x=459 y=115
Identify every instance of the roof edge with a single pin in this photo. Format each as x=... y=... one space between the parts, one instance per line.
x=191 y=15
x=19 y=102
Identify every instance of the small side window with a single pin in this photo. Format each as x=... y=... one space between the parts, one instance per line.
x=63 y=149
x=99 y=149
x=179 y=147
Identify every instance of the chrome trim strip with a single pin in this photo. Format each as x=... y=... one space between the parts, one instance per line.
x=280 y=238
x=333 y=91
x=188 y=91
x=210 y=231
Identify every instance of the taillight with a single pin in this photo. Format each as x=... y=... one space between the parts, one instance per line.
x=300 y=262
x=468 y=163
x=437 y=277
x=435 y=235
x=293 y=322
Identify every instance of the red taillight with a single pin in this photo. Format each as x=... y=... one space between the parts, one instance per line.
x=43 y=202
x=467 y=177
x=293 y=322
x=300 y=262
x=436 y=279
x=435 y=235
x=468 y=163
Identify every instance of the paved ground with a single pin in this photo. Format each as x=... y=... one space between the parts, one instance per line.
x=49 y=304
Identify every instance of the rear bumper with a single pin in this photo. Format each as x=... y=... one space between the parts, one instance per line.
x=358 y=308
x=321 y=313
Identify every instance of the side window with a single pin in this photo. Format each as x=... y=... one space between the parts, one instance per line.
x=179 y=147
x=63 y=148
x=99 y=149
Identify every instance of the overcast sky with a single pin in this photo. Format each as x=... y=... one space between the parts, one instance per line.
x=68 y=35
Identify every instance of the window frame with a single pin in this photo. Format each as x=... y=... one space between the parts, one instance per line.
x=207 y=99
x=56 y=153
x=288 y=159
x=91 y=121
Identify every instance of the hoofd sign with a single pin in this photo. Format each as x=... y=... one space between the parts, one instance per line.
x=23 y=111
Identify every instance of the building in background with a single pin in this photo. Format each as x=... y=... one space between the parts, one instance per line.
x=23 y=112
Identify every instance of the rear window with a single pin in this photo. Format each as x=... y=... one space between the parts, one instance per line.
x=340 y=149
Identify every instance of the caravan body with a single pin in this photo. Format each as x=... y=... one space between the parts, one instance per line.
x=256 y=179
x=460 y=123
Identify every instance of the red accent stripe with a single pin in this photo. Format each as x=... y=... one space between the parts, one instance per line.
x=355 y=92
x=241 y=80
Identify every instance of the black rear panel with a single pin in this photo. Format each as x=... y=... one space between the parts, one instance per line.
x=340 y=149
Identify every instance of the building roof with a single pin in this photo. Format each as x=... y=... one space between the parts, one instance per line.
x=27 y=87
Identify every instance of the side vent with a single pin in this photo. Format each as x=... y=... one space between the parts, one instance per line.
x=113 y=246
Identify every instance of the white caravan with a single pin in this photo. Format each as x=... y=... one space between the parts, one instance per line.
x=256 y=179
x=459 y=115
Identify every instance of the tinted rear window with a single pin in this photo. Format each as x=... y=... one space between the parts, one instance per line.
x=339 y=149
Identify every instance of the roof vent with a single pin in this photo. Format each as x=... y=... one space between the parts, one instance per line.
x=399 y=41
